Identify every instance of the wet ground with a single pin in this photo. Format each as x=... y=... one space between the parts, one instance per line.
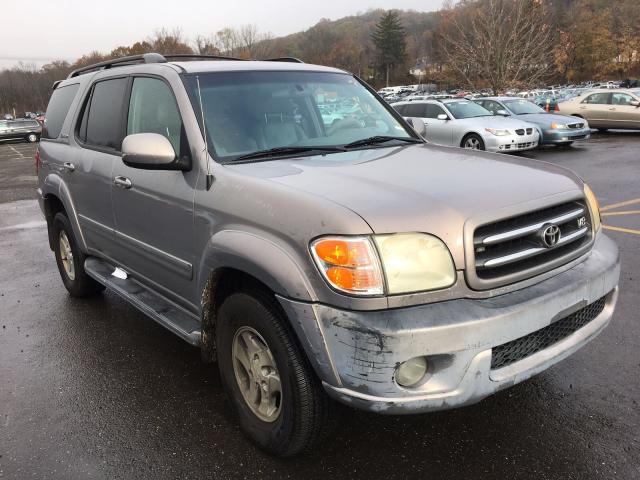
x=93 y=389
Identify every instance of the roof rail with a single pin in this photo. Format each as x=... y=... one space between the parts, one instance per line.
x=192 y=56
x=122 y=61
x=284 y=59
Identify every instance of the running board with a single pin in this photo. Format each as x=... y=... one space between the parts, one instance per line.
x=179 y=321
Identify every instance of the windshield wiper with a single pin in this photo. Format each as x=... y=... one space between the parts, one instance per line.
x=380 y=139
x=280 y=151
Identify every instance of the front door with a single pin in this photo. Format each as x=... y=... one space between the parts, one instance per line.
x=621 y=113
x=154 y=208
x=441 y=131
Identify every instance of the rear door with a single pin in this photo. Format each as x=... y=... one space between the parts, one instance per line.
x=99 y=131
x=595 y=108
x=154 y=214
x=621 y=113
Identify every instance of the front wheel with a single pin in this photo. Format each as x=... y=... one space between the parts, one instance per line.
x=279 y=402
x=473 y=142
x=32 y=138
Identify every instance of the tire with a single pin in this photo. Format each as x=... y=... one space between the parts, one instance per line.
x=32 y=138
x=472 y=141
x=75 y=279
x=299 y=416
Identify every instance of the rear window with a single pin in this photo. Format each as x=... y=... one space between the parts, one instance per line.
x=57 y=110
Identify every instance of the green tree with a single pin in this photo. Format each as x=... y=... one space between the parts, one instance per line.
x=389 y=38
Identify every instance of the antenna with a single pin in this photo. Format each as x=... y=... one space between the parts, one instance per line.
x=209 y=177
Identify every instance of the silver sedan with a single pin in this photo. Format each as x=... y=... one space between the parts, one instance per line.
x=463 y=123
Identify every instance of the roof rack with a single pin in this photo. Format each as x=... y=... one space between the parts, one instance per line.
x=146 y=58
x=192 y=56
x=158 y=58
x=284 y=59
x=116 y=62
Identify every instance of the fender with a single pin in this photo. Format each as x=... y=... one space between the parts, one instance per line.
x=259 y=257
x=54 y=185
x=271 y=264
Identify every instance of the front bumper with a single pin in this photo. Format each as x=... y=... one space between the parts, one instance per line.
x=511 y=143
x=356 y=353
x=552 y=137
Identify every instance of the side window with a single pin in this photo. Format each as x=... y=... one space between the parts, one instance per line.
x=400 y=109
x=101 y=122
x=621 y=99
x=153 y=109
x=597 y=99
x=415 y=110
x=61 y=100
x=434 y=110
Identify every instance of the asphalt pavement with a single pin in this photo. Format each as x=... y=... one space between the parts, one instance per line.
x=94 y=389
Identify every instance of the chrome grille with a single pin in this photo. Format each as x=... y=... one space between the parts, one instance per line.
x=575 y=125
x=515 y=248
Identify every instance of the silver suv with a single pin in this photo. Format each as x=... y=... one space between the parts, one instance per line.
x=349 y=261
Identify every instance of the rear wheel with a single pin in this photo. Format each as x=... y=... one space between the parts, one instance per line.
x=280 y=404
x=70 y=260
x=473 y=142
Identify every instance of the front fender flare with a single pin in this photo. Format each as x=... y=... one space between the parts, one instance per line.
x=259 y=257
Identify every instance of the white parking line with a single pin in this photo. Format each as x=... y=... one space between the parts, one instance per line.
x=16 y=151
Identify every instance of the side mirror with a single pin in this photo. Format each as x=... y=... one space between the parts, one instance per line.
x=443 y=116
x=635 y=103
x=418 y=125
x=151 y=151
x=504 y=113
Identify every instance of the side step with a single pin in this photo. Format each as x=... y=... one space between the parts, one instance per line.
x=179 y=321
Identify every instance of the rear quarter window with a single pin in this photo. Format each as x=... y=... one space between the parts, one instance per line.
x=57 y=111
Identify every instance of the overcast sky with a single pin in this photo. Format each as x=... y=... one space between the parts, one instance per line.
x=38 y=31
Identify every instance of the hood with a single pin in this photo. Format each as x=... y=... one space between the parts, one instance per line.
x=495 y=121
x=419 y=188
x=545 y=119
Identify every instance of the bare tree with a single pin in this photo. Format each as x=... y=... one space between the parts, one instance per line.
x=206 y=46
x=169 y=41
x=502 y=43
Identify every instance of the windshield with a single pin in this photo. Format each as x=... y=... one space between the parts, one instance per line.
x=249 y=112
x=521 y=107
x=467 y=109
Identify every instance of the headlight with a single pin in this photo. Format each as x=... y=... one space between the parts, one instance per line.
x=594 y=207
x=411 y=262
x=559 y=126
x=349 y=264
x=499 y=133
x=414 y=262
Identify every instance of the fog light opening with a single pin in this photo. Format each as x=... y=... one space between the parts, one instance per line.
x=411 y=372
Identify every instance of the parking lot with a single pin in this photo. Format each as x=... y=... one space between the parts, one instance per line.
x=94 y=389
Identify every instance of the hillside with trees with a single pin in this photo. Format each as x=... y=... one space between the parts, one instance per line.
x=469 y=43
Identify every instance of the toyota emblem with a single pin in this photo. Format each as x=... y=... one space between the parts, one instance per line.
x=550 y=235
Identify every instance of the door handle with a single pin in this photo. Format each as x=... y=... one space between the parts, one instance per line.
x=612 y=109
x=122 y=182
x=69 y=167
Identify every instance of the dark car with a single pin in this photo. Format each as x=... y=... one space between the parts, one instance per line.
x=25 y=129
